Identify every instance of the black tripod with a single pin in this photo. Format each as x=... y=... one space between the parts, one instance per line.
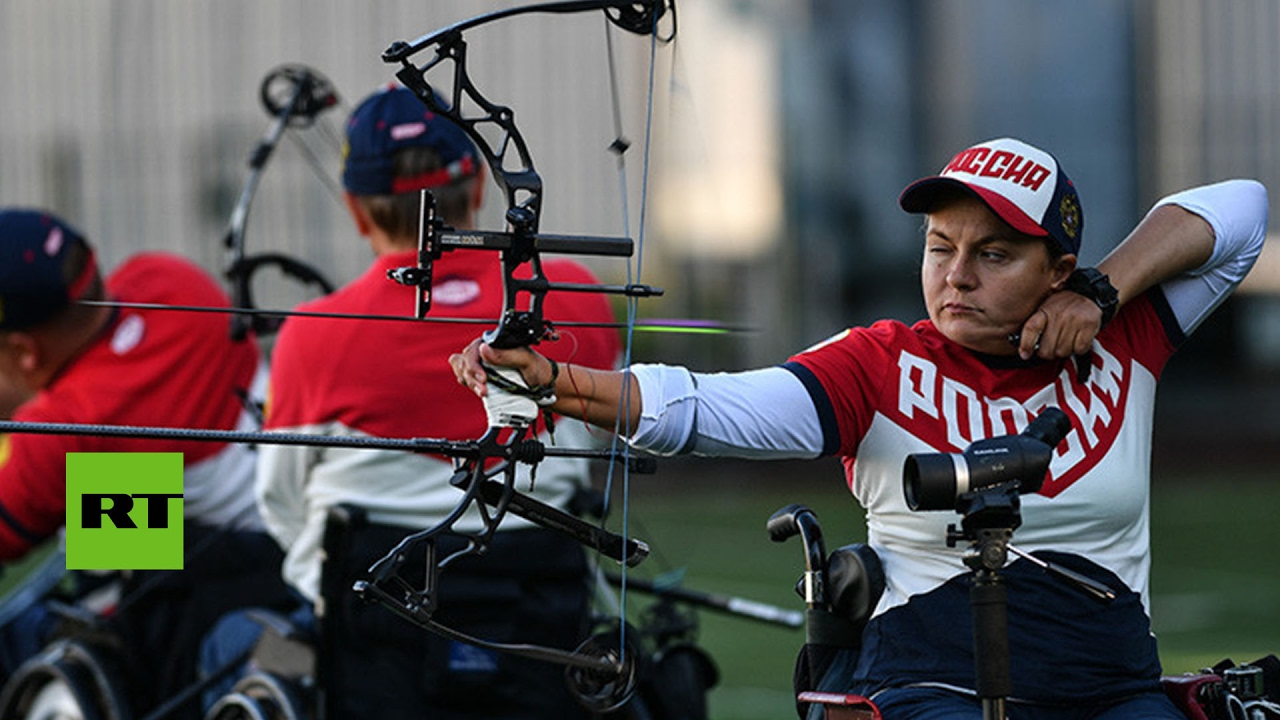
x=990 y=515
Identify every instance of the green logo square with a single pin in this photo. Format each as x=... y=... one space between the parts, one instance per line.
x=124 y=511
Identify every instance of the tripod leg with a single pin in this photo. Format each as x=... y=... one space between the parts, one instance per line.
x=989 y=598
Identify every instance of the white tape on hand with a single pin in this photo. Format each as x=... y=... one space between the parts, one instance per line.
x=507 y=409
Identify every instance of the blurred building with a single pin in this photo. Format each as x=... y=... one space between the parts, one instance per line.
x=1137 y=99
x=780 y=134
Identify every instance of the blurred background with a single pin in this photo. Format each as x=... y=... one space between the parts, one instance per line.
x=767 y=147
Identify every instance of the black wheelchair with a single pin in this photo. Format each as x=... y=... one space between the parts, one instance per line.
x=123 y=645
x=292 y=671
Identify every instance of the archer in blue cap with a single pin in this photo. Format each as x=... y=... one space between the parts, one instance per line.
x=66 y=358
x=393 y=380
x=396 y=147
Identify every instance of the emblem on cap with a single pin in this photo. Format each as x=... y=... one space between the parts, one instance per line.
x=1069 y=211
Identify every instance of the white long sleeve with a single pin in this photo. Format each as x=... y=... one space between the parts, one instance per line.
x=1237 y=212
x=763 y=413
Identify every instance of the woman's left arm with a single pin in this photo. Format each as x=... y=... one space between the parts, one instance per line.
x=1199 y=243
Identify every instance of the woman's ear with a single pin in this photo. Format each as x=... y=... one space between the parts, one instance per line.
x=1062 y=269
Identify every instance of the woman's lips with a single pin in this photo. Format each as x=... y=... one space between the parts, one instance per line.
x=960 y=308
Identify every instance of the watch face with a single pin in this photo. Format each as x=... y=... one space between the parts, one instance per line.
x=1093 y=284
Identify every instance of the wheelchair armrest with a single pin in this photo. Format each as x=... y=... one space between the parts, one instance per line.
x=841 y=706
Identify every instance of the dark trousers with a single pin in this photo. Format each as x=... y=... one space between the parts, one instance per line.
x=164 y=614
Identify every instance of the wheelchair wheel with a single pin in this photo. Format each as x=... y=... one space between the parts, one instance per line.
x=260 y=696
x=67 y=681
x=55 y=701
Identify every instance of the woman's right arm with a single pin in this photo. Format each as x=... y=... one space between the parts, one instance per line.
x=667 y=410
x=584 y=393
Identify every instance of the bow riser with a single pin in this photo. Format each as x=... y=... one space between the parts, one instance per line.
x=606 y=678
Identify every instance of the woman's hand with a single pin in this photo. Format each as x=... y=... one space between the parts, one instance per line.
x=1063 y=326
x=590 y=394
x=468 y=365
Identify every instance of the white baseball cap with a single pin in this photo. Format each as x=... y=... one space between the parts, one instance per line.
x=1023 y=185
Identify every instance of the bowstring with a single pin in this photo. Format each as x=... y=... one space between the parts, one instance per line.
x=634 y=273
x=330 y=140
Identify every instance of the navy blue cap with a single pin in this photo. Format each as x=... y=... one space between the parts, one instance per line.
x=391 y=119
x=45 y=265
x=1022 y=184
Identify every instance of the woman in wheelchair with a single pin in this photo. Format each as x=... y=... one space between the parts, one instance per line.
x=1014 y=326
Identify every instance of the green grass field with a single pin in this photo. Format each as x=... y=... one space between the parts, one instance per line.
x=1216 y=587
x=1215 y=580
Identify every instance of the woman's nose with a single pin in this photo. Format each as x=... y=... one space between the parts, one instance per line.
x=960 y=275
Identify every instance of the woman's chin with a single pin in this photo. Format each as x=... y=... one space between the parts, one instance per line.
x=983 y=340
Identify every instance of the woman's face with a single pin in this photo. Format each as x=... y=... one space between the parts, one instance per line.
x=982 y=279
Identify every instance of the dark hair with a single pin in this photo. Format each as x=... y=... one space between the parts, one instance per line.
x=946 y=195
x=397 y=215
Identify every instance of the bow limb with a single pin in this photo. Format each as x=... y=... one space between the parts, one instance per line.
x=292 y=95
x=637 y=16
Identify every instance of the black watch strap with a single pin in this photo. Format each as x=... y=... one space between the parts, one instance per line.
x=1095 y=285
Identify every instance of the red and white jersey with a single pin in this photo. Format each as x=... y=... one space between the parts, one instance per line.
x=890 y=390
x=147 y=368
x=895 y=390
x=393 y=379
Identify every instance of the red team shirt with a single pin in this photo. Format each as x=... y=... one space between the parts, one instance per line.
x=147 y=368
x=393 y=379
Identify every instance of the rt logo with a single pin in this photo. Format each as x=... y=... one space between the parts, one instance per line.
x=124 y=511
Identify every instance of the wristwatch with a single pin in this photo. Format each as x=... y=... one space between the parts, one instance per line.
x=1093 y=284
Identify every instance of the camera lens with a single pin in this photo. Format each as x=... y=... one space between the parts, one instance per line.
x=932 y=481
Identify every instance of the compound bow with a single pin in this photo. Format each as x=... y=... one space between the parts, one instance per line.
x=294 y=95
x=601 y=674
